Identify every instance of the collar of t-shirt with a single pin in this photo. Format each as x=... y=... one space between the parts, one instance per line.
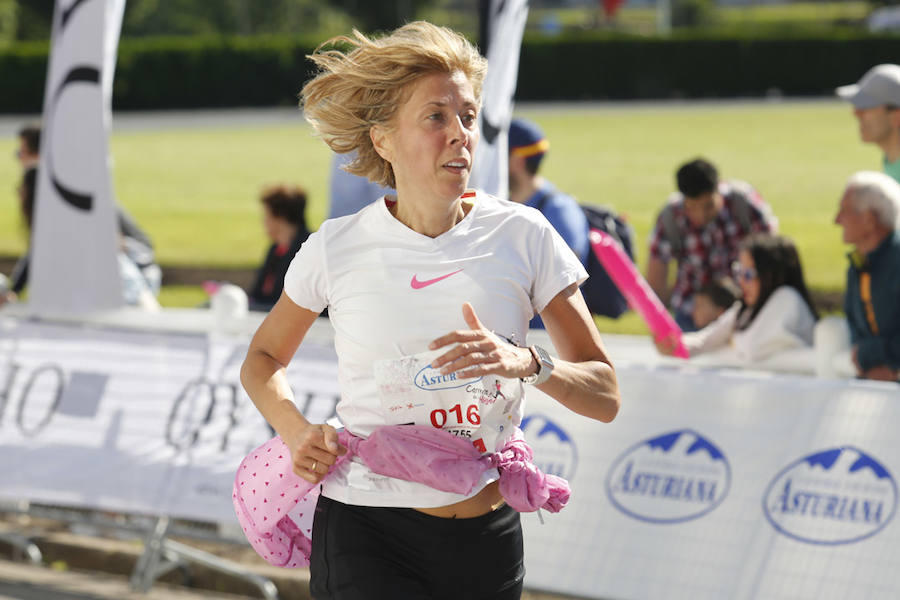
x=399 y=228
x=891 y=168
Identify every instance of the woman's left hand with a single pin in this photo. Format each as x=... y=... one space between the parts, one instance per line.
x=479 y=351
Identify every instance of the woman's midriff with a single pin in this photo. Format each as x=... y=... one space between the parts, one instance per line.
x=485 y=501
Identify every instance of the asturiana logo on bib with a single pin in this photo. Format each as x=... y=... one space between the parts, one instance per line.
x=554 y=449
x=432 y=379
x=670 y=478
x=835 y=496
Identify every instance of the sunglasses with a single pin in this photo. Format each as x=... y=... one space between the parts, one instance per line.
x=742 y=273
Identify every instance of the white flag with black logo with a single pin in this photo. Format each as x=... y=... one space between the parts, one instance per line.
x=74 y=243
x=505 y=29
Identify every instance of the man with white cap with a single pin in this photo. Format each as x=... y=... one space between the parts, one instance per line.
x=876 y=104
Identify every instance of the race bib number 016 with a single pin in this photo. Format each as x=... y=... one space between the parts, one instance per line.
x=481 y=409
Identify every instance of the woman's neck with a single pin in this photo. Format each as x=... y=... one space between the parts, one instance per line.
x=430 y=219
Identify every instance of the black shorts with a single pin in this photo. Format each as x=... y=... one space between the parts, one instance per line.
x=362 y=552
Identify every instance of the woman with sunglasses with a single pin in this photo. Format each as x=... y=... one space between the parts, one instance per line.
x=775 y=313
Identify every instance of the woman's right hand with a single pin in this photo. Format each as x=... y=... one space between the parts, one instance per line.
x=666 y=344
x=314 y=449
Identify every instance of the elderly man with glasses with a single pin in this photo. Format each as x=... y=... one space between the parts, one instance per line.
x=869 y=212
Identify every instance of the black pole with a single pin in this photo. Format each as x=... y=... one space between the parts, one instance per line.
x=484 y=22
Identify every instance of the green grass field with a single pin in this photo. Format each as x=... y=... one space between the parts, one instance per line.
x=641 y=19
x=195 y=190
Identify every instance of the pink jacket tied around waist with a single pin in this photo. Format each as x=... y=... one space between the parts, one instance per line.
x=275 y=507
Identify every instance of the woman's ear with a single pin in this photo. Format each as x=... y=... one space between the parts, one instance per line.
x=381 y=141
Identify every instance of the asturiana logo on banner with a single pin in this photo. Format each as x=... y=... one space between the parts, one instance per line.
x=835 y=496
x=670 y=478
x=554 y=449
x=429 y=379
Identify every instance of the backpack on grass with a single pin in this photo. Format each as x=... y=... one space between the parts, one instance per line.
x=600 y=293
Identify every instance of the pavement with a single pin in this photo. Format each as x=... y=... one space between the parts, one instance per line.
x=76 y=566
x=22 y=581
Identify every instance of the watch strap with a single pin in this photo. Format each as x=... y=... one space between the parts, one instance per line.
x=545 y=366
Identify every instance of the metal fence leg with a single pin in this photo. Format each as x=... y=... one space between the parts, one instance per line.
x=161 y=555
x=177 y=551
x=24 y=547
x=151 y=564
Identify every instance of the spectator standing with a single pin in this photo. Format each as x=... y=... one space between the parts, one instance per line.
x=284 y=219
x=868 y=215
x=134 y=241
x=527 y=148
x=775 y=313
x=701 y=228
x=136 y=290
x=876 y=105
x=28 y=152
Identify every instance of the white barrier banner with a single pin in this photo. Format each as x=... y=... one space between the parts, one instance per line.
x=138 y=422
x=717 y=485
x=709 y=484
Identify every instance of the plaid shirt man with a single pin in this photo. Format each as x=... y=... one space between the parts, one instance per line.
x=706 y=253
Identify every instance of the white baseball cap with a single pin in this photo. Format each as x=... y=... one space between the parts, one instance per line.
x=879 y=86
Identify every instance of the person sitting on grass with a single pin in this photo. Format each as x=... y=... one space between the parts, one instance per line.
x=700 y=228
x=712 y=300
x=284 y=219
x=776 y=312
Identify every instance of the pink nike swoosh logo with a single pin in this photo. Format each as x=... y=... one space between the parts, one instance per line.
x=418 y=285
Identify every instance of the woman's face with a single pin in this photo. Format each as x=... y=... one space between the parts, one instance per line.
x=432 y=139
x=748 y=278
x=278 y=230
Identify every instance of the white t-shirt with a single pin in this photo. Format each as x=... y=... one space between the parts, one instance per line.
x=783 y=323
x=390 y=291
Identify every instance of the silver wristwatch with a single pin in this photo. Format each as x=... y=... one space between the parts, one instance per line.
x=545 y=366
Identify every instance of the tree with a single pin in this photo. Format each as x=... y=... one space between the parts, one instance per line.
x=34 y=19
x=246 y=17
x=8 y=21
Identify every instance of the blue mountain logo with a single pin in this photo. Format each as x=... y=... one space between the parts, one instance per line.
x=835 y=496
x=555 y=452
x=671 y=478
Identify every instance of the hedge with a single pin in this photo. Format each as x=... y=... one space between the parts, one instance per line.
x=697 y=67
x=201 y=72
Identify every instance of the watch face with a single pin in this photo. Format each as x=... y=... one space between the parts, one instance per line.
x=545 y=367
x=545 y=357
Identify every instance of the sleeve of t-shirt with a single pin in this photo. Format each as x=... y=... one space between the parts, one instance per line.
x=555 y=267
x=660 y=246
x=306 y=281
x=715 y=335
x=762 y=218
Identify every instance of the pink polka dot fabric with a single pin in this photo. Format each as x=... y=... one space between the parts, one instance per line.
x=275 y=507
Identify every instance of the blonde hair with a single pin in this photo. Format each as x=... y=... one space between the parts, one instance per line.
x=364 y=85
